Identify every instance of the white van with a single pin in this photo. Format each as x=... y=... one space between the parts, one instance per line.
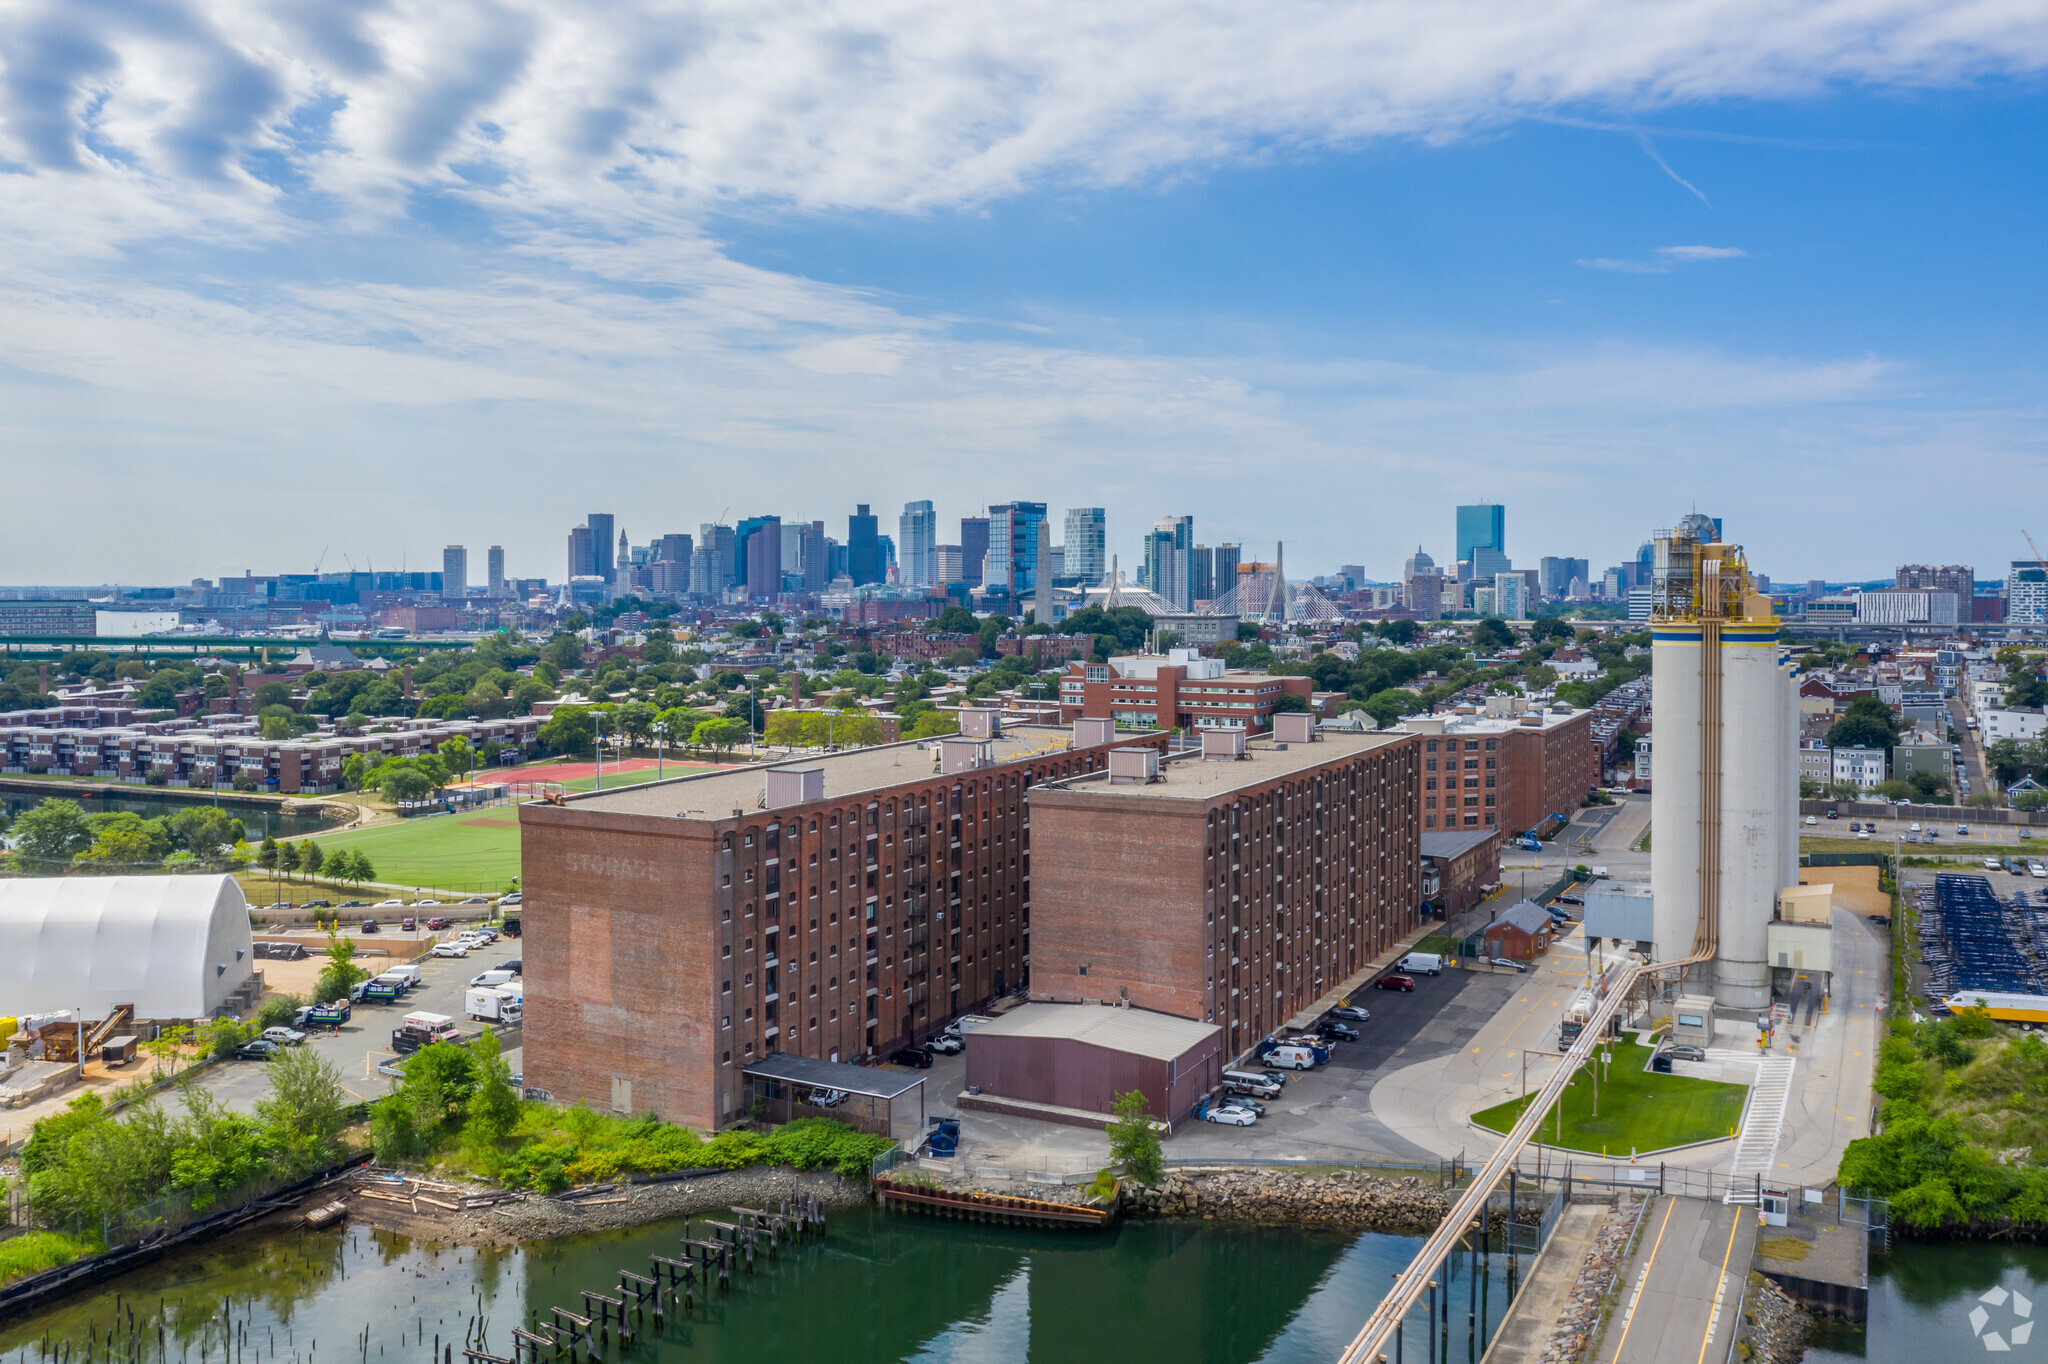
x=1291 y=1056
x=409 y=973
x=490 y=978
x=1252 y=1083
x=1422 y=964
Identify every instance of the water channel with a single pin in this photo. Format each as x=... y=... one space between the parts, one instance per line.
x=1924 y=1297
x=258 y=818
x=879 y=1286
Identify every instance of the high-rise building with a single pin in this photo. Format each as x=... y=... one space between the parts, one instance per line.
x=1418 y=563
x=1013 y=531
x=624 y=556
x=1554 y=575
x=1423 y=593
x=1960 y=579
x=946 y=566
x=764 y=557
x=1087 y=545
x=973 y=549
x=712 y=566
x=817 y=557
x=603 y=565
x=745 y=562
x=1726 y=801
x=2026 y=593
x=1168 y=550
x=675 y=549
x=885 y=545
x=1509 y=596
x=1487 y=561
x=582 y=554
x=1202 y=573
x=863 y=549
x=455 y=572
x=494 y=581
x=917 y=531
x=1482 y=525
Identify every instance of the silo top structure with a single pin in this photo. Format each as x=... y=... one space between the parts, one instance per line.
x=1725 y=803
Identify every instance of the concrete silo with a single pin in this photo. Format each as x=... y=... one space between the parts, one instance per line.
x=1724 y=804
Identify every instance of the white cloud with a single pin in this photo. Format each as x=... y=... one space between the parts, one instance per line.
x=1664 y=258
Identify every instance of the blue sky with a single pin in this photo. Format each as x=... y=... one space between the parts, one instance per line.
x=384 y=276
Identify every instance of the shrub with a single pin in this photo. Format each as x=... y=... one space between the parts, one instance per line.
x=277 y=1011
x=37 y=1251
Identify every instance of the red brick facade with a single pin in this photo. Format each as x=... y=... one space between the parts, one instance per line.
x=1242 y=906
x=1172 y=700
x=663 y=953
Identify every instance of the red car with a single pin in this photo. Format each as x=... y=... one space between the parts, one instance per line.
x=406 y=923
x=1394 y=983
x=439 y=921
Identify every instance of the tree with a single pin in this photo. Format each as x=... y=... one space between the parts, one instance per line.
x=1868 y=723
x=220 y=1037
x=311 y=856
x=721 y=734
x=53 y=831
x=1388 y=707
x=404 y=783
x=306 y=1111
x=341 y=973
x=956 y=620
x=266 y=854
x=564 y=651
x=287 y=859
x=123 y=846
x=2027 y=689
x=568 y=730
x=493 y=1105
x=1134 y=1141
x=1492 y=635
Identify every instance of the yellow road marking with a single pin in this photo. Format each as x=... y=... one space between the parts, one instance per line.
x=1642 y=1279
x=1721 y=1287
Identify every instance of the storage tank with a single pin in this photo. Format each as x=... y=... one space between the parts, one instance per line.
x=1675 y=789
x=1754 y=760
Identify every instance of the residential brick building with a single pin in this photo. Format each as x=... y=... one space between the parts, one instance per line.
x=1523 y=932
x=1240 y=885
x=1458 y=867
x=1510 y=772
x=834 y=908
x=1178 y=690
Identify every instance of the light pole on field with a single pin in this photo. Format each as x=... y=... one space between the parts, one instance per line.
x=597 y=746
x=660 y=738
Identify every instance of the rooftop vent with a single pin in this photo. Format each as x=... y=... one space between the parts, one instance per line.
x=1294 y=727
x=979 y=722
x=1129 y=766
x=963 y=753
x=1223 y=743
x=1090 y=733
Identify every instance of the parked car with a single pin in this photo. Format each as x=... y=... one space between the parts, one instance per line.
x=945 y=1044
x=1963 y=830
x=479 y=934
x=258 y=1050
x=451 y=949
x=1237 y=1100
x=1509 y=964
x=1230 y=1116
x=1344 y=1031
x=515 y=898
x=475 y=900
x=408 y=923
x=917 y=1058
x=1661 y=1063
x=2037 y=869
x=1865 y=835
x=287 y=1037
x=369 y=926
x=513 y=965
x=438 y=922
x=1570 y=900
x=1353 y=1012
x=1992 y=864
x=389 y=904
x=353 y=904
x=827 y=1098
x=277 y=904
x=1685 y=1051
x=316 y=904
x=1396 y=982
x=426 y=902
x=1810 y=819
x=1834 y=814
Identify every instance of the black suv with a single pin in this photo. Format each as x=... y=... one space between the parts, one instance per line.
x=917 y=1058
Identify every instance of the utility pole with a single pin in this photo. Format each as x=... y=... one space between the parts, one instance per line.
x=597 y=746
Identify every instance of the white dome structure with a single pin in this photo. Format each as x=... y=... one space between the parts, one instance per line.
x=171 y=946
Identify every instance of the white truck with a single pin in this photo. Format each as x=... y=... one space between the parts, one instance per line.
x=493 y=1004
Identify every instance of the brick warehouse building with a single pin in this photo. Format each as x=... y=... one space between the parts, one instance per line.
x=835 y=907
x=1506 y=772
x=1233 y=890
x=1177 y=690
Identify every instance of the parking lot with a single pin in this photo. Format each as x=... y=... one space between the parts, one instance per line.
x=365 y=1040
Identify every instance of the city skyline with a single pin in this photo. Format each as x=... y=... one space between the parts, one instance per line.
x=1601 y=262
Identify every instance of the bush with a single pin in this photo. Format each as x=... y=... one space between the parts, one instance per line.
x=278 y=1010
x=37 y=1251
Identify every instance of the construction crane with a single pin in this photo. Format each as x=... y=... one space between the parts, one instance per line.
x=321 y=560
x=2038 y=560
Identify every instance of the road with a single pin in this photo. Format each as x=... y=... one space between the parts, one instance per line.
x=1682 y=1288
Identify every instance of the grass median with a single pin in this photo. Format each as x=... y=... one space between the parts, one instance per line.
x=1639 y=1110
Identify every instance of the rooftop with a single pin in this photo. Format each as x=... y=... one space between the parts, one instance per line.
x=1457 y=844
x=715 y=795
x=1138 y=1031
x=1190 y=776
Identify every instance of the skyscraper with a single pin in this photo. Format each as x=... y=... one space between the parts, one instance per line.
x=1168 y=550
x=946 y=565
x=1484 y=525
x=1554 y=574
x=764 y=557
x=1418 y=563
x=582 y=558
x=1224 y=575
x=455 y=572
x=917 y=531
x=816 y=558
x=673 y=548
x=973 y=549
x=624 y=558
x=1013 y=531
x=603 y=564
x=1202 y=573
x=863 y=551
x=1087 y=545
x=742 y=553
x=712 y=567
x=494 y=578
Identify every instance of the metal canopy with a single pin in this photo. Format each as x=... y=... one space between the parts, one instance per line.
x=805 y=1070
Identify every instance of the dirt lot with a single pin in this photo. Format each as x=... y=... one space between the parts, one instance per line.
x=1855 y=887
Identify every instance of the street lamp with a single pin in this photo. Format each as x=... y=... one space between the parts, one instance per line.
x=597 y=746
x=660 y=737
x=753 y=718
x=831 y=715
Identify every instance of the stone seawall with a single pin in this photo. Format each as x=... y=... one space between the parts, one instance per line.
x=1342 y=1198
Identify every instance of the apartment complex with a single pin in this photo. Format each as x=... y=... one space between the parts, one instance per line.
x=1176 y=690
x=837 y=908
x=1508 y=771
x=1238 y=885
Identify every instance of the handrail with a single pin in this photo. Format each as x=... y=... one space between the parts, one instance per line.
x=1409 y=1286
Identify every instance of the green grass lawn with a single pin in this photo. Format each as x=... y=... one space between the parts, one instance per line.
x=1639 y=1110
x=475 y=852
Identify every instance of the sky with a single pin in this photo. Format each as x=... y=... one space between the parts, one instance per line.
x=286 y=282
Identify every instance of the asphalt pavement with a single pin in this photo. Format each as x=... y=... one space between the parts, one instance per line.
x=1682 y=1288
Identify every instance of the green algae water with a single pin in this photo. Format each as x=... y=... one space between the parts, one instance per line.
x=878 y=1286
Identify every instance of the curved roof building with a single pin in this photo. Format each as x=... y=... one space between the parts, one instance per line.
x=172 y=946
